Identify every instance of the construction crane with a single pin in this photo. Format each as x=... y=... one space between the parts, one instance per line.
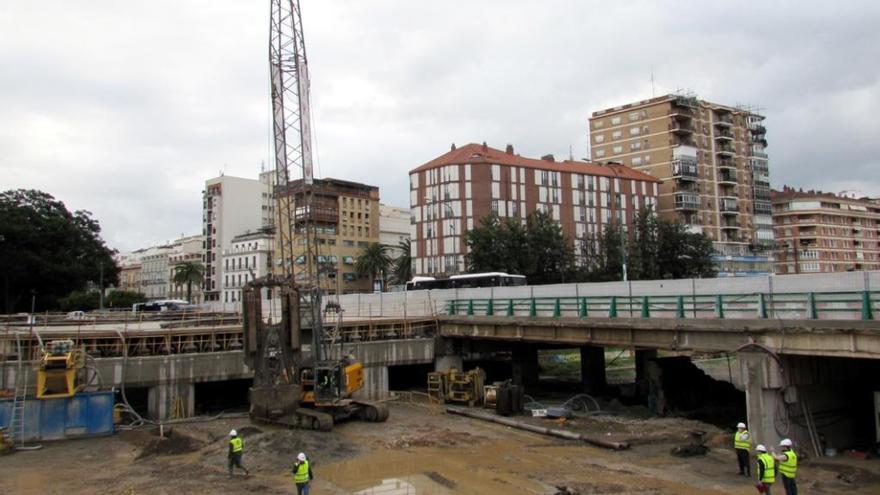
x=291 y=387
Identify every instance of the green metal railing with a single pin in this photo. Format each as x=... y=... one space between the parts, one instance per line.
x=791 y=305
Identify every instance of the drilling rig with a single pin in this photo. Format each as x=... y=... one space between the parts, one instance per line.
x=292 y=387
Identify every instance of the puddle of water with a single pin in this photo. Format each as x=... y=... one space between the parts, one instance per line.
x=408 y=485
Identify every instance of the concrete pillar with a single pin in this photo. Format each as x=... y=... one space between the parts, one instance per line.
x=642 y=358
x=762 y=380
x=525 y=365
x=593 y=369
x=375 y=383
x=170 y=400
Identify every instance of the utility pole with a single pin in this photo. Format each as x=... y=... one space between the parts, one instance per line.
x=101 y=285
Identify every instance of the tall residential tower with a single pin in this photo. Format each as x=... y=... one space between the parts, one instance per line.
x=713 y=164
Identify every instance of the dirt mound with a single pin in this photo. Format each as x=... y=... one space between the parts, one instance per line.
x=247 y=431
x=176 y=443
x=432 y=438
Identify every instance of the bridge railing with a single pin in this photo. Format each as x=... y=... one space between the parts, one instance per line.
x=851 y=305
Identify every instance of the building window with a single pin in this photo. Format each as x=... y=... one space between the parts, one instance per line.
x=616 y=135
x=495 y=204
x=599 y=138
x=634 y=131
x=615 y=120
x=599 y=153
x=617 y=149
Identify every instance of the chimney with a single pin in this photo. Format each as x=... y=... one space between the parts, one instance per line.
x=485 y=148
x=548 y=158
x=509 y=149
x=452 y=148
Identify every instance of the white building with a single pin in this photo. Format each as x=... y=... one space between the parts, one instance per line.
x=154 y=271
x=183 y=250
x=231 y=206
x=249 y=256
x=393 y=227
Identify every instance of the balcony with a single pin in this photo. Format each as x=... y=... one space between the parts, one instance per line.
x=724 y=134
x=758 y=129
x=723 y=120
x=757 y=154
x=763 y=207
x=726 y=163
x=761 y=193
x=759 y=167
x=759 y=140
x=685 y=168
x=727 y=177
x=729 y=206
x=682 y=128
x=730 y=225
x=683 y=141
x=323 y=215
x=687 y=201
x=725 y=149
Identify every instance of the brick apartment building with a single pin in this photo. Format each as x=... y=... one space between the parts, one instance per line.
x=713 y=164
x=346 y=219
x=452 y=193
x=825 y=232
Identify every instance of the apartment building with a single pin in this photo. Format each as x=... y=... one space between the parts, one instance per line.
x=231 y=206
x=451 y=194
x=249 y=256
x=129 y=270
x=346 y=219
x=713 y=164
x=825 y=232
x=393 y=228
x=185 y=249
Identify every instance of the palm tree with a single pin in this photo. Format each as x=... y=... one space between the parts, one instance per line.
x=373 y=261
x=189 y=273
x=402 y=266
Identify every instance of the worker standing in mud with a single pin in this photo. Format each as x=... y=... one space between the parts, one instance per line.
x=766 y=469
x=787 y=466
x=742 y=443
x=302 y=474
x=236 y=449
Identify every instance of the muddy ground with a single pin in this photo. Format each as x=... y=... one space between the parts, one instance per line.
x=419 y=450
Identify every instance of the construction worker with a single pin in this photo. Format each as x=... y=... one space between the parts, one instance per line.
x=742 y=443
x=302 y=474
x=236 y=449
x=766 y=469
x=787 y=466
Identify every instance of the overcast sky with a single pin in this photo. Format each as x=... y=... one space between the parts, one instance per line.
x=125 y=108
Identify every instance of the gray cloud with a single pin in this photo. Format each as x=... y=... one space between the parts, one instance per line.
x=126 y=108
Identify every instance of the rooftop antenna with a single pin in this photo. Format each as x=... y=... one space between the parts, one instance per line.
x=653 y=94
x=570 y=154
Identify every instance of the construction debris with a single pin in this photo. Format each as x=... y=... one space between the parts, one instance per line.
x=539 y=429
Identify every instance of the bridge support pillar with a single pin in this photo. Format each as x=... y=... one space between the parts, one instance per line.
x=525 y=365
x=763 y=383
x=446 y=363
x=171 y=400
x=642 y=358
x=375 y=383
x=593 y=369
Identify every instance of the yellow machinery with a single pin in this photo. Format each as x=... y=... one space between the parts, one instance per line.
x=457 y=386
x=59 y=370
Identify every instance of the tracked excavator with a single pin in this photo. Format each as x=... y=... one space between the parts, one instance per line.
x=295 y=385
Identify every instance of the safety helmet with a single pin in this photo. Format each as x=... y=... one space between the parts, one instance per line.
x=785 y=442
x=232 y=433
x=301 y=457
x=761 y=448
x=740 y=425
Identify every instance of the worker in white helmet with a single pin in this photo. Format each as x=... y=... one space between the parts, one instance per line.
x=766 y=469
x=236 y=449
x=787 y=466
x=302 y=474
x=742 y=444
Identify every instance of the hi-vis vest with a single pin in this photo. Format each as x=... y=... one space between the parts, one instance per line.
x=788 y=467
x=769 y=468
x=742 y=440
x=302 y=473
x=237 y=445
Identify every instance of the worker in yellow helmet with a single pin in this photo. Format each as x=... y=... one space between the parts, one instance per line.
x=236 y=449
x=302 y=474
x=787 y=466
x=742 y=444
x=766 y=469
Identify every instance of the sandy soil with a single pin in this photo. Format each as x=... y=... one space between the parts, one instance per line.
x=419 y=450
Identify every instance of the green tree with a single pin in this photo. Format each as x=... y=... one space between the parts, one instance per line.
x=124 y=299
x=643 y=246
x=373 y=262
x=537 y=249
x=79 y=301
x=684 y=254
x=189 y=273
x=48 y=252
x=612 y=248
x=401 y=269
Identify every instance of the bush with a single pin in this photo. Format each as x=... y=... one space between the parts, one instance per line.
x=79 y=301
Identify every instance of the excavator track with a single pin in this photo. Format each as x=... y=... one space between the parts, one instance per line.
x=303 y=419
